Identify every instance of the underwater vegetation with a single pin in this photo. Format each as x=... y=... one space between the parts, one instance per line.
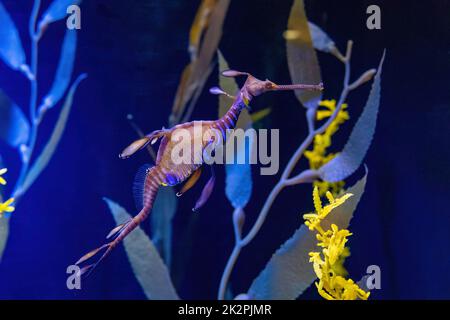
x=19 y=131
x=314 y=254
x=298 y=262
x=7 y=205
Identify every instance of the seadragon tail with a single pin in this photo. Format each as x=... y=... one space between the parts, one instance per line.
x=151 y=186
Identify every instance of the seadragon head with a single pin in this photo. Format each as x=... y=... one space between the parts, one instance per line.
x=254 y=87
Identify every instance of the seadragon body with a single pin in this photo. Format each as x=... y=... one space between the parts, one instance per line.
x=166 y=171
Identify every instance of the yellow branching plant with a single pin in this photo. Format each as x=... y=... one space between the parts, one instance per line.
x=329 y=264
x=318 y=155
x=7 y=205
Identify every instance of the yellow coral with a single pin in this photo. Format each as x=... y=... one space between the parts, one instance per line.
x=5 y=206
x=313 y=219
x=328 y=265
x=318 y=155
x=2 y=172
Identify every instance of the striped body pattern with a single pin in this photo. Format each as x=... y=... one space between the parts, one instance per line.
x=171 y=173
x=230 y=119
x=167 y=172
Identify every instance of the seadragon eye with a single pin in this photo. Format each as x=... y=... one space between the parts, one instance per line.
x=269 y=85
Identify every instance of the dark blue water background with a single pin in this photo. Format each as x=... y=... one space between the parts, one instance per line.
x=134 y=52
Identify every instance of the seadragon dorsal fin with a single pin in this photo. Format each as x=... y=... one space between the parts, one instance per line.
x=138 y=185
x=162 y=148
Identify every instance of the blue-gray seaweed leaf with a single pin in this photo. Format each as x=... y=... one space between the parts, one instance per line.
x=239 y=183
x=57 y=10
x=147 y=265
x=64 y=70
x=49 y=149
x=289 y=272
x=4 y=232
x=14 y=126
x=163 y=211
x=351 y=157
x=238 y=187
x=11 y=49
x=321 y=41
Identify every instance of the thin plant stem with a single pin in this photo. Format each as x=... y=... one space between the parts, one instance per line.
x=237 y=227
x=228 y=269
x=28 y=150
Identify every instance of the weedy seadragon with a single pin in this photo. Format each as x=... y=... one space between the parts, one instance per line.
x=167 y=172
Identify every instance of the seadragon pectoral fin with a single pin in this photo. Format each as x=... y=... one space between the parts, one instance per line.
x=191 y=182
x=206 y=192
